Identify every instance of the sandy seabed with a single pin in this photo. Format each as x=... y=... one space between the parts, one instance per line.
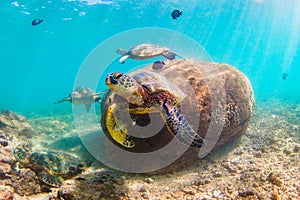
x=263 y=164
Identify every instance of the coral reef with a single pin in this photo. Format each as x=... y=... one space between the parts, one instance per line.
x=13 y=131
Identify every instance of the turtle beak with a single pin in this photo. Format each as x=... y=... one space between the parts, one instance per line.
x=110 y=80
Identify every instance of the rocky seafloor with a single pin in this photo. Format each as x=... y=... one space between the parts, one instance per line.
x=263 y=164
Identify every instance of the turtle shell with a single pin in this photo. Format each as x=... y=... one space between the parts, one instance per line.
x=147 y=50
x=82 y=95
x=56 y=163
x=156 y=83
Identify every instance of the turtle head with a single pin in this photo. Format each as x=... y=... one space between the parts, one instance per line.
x=124 y=86
x=75 y=94
x=121 y=51
x=20 y=154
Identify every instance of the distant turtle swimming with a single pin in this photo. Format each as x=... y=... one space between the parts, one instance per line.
x=284 y=76
x=51 y=167
x=176 y=13
x=36 y=22
x=158 y=65
x=82 y=96
x=145 y=51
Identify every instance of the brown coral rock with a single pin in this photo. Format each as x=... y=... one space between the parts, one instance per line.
x=6 y=193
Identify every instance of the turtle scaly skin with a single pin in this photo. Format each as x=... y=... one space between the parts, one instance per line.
x=180 y=127
x=51 y=180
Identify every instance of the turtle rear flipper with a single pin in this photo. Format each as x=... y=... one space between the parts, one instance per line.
x=180 y=127
x=51 y=180
x=88 y=107
x=120 y=135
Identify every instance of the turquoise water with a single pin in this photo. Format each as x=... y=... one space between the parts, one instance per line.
x=39 y=64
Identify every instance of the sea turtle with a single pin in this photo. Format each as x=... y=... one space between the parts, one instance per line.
x=148 y=92
x=145 y=51
x=51 y=167
x=82 y=96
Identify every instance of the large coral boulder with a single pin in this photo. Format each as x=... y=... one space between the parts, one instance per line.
x=218 y=104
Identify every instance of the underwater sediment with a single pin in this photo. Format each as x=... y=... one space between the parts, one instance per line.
x=263 y=164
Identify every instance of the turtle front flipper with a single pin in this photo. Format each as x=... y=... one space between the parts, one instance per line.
x=20 y=154
x=97 y=98
x=51 y=180
x=21 y=157
x=118 y=133
x=169 y=55
x=179 y=126
x=122 y=60
x=64 y=99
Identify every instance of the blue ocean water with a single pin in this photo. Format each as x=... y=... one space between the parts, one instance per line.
x=39 y=64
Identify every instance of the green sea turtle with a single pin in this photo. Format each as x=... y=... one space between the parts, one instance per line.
x=51 y=167
x=145 y=51
x=148 y=92
x=82 y=96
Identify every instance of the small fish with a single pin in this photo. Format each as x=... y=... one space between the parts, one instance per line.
x=284 y=76
x=176 y=13
x=158 y=65
x=36 y=22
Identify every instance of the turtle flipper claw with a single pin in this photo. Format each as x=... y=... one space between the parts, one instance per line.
x=180 y=127
x=118 y=133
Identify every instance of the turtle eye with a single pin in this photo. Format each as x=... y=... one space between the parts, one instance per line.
x=118 y=75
